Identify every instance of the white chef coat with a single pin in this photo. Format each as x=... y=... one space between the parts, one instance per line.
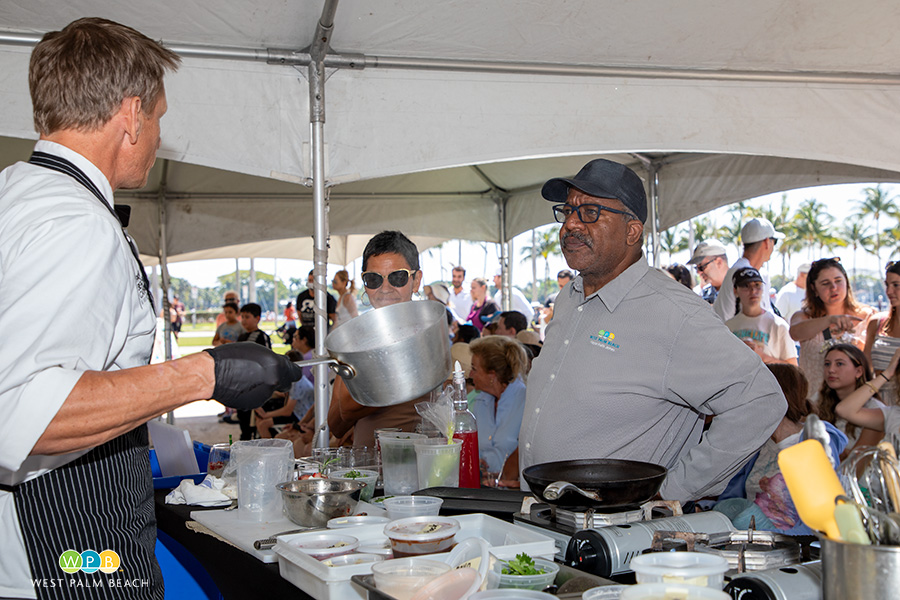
x=72 y=299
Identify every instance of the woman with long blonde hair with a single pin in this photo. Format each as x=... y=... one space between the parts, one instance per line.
x=346 y=305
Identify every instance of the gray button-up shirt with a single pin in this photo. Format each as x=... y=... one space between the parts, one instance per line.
x=630 y=372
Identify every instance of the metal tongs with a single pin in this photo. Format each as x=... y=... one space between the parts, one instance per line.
x=874 y=489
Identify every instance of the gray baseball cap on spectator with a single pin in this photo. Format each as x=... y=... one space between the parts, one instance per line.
x=602 y=178
x=706 y=248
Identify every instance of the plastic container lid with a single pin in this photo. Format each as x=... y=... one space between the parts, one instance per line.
x=356 y=558
x=426 y=528
x=691 y=568
x=449 y=586
x=671 y=591
x=356 y=521
x=606 y=592
x=380 y=547
x=325 y=545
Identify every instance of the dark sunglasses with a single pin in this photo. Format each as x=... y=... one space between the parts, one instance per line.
x=587 y=213
x=825 y=261
x=704 y=265
x=398 y=278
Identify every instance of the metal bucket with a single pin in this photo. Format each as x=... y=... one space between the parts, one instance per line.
x=391 y=355
x=851 y=571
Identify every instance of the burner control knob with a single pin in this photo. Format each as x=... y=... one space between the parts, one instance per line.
x=587 y=551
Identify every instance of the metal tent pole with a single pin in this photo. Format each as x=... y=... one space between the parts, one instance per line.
x=164 y=270
x=316 y=70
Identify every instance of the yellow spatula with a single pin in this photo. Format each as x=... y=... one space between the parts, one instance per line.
x=813 y=485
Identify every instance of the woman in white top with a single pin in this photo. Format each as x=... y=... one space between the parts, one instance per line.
x=829 y=305
x=847 y=370
x=883 y=333
x=346 y=306
x=765 y=333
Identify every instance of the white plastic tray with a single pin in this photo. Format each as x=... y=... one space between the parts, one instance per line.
x=333 y=583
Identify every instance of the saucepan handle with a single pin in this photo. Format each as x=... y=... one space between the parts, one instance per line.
x=344 y=370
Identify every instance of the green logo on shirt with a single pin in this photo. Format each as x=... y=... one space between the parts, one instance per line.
x=605 y=338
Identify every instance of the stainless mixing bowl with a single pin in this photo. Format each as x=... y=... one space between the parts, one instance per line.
x=312 y=502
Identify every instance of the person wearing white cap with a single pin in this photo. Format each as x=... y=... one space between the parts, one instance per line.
x=758 y=237
x=790 y=297
x=711 y=263
x=517 y=301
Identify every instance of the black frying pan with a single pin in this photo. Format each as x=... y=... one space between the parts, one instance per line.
x=617 y=482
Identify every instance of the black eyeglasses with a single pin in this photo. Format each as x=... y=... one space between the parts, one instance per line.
x=398 y=278
x=587 y=213
x=706 y=264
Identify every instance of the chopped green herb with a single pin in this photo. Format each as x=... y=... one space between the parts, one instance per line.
x=352 y=474
x=522 y=564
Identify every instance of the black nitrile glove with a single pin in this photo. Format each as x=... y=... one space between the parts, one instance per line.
x=247 y=374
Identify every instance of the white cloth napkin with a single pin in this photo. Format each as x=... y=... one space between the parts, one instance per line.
x=204 y=494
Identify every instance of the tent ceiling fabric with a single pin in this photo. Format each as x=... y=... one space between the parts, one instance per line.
x=401 y=144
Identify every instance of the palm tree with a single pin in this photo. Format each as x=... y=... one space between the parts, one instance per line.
x=813 y=225
x=875 y=205
x=731 y=233
x=855 y=234
x=545 y=246
x=782 y=221
x=671 y=242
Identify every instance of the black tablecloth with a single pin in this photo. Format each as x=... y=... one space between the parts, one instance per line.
x=237 y=574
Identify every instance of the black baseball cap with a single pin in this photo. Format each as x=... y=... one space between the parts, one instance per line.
x=745 y=275
x=603 y=179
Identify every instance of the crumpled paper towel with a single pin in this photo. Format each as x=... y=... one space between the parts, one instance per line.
x=210 y=492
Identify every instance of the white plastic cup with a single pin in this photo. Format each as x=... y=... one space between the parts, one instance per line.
x=437 y=462
x=398 y=458
x=401 y=507
x=689 y=568
x=654 y=591
x=261 y=464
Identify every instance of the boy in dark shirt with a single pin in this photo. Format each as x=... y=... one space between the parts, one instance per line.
x=250 y=315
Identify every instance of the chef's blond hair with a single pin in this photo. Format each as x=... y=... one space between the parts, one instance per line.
x=78 y=77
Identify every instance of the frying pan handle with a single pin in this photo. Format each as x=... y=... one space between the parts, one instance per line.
x=344 y=370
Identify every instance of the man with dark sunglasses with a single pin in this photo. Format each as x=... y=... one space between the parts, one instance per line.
x=633 y=361
x=711 y=263
x=759 y=238
x=390 y=275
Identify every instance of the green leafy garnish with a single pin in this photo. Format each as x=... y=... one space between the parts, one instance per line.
x=522 y=564
x=352 y=474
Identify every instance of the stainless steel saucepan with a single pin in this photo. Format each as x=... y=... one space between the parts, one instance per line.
x=391 y=355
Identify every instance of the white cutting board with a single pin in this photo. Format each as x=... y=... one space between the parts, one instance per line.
x=243 y=533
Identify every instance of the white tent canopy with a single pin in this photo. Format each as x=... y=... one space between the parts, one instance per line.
x=463 y=106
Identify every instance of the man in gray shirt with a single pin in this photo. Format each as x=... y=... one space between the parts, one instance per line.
x=633 y=361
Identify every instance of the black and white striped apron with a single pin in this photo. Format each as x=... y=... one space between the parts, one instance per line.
x=100 y=501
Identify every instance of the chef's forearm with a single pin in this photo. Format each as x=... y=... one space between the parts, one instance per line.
x=106 y=404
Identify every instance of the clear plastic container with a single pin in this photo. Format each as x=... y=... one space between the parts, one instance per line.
x=421 y=535
x=380 y=547
x=398 y=462
x=364 y=475
x=498 y=579
x=474 y=553
x=690 y=568
x=322 y=546
x=402 y=577
x=437 y=462
x=356 y=521
x=511 y=594
x=401 y=507
x=670 y=591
